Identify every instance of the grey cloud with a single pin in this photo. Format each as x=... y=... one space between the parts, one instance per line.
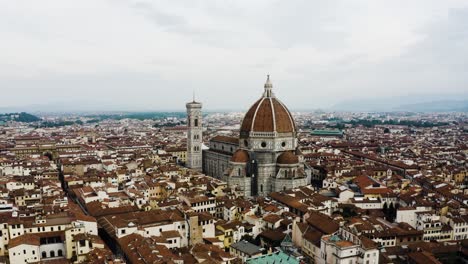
x=306 y=46
x=159 y=17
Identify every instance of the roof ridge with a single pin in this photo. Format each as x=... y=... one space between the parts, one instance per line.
x=273 y=114
x=255 y=114
x=289 y=115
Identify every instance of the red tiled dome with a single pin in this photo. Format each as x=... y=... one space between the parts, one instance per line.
x=268 y=114
x=241 y=156
x=287 y=158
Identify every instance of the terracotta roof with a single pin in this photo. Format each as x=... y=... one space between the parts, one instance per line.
x=422 y=258
x=377 y=191
x=272 y=218
x=145 y=250
x=322 y=223
x=142 y=218
x=287 y=158
x=226 y=139
x=241 y=156
x=313 y=236
x=363 y=181
x=273 y=235
x=211 y=254
x=27 y=239
x=289 y=201
x=368 y=243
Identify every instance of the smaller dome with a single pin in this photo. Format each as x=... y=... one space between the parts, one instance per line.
x=287 y=158
x=240 y=156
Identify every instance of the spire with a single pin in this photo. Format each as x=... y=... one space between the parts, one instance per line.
x=194 y=95
x=268 y=88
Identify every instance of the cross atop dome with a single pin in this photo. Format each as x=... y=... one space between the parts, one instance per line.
x=268 y=88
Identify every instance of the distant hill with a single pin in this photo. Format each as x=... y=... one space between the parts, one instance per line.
x=84 y=107
x=19 y=117
x=406 y=104
x=138 y=115
x=437 y=106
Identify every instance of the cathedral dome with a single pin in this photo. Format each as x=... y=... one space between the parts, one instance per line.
x=287 y=158
x=240 y=156
x=268 y=114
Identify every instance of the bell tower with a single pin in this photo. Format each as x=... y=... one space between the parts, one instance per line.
x=194 y=135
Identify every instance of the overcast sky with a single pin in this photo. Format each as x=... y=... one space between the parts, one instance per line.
x=148 y=54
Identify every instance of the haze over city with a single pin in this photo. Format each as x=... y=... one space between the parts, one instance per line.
x=151 y=55
x=234 y=132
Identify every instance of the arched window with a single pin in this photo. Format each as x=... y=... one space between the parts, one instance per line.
x=52 y=254
x=261 y=187
x=44 y=254
x=239 y=171
x=196 y=122
x=59 y=253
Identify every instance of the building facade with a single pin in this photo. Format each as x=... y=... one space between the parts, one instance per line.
x=267 y=157
x=194 y=135
x=216 y=158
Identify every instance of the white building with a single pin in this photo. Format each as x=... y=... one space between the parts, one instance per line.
x=343 y=247
x=366 y=203
x=433 y=227
x=460 y=227
x=24 y=249
x=409 y=214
